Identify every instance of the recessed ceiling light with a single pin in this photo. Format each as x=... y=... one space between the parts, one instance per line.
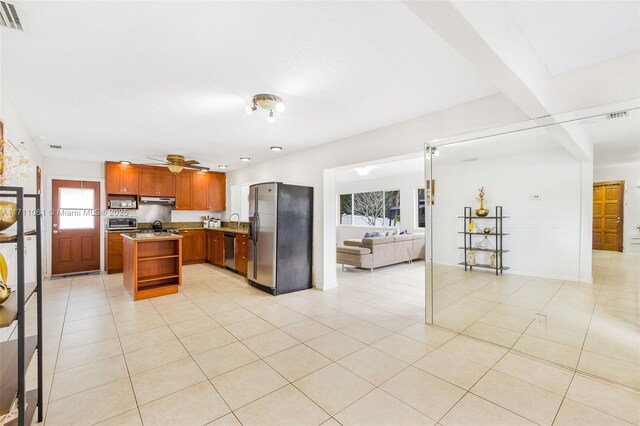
x=223 y=166
x=245 y=159
x=276 y=148
x=125 y=162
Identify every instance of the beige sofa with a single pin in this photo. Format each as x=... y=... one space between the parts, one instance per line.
x=374 y=252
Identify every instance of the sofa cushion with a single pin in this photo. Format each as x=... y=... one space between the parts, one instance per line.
x=377 y=240
x=404 y=237
x=353 y=250
x=352 y=242
x=419 y=236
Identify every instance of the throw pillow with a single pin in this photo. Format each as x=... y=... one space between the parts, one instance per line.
x=369 y=235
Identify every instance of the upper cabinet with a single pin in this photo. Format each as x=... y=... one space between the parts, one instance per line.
x=121 y=178
x=196 y=190
x=156 y=182
x=193 y=189
x=217 y=195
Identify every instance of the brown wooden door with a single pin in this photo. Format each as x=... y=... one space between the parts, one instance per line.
x=199 y=189
x=216 y=196
x=199 y=245
x=75 y=226
x=608 y=215
x=183 y=191
x=147 y=181
x=113 y=178
x=165 y=183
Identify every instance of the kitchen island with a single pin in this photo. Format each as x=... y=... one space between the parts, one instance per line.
x=152 y=264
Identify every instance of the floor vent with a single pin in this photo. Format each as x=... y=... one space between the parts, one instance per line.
x=9 y=16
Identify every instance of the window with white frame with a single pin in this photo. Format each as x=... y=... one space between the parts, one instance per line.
x=375 y=208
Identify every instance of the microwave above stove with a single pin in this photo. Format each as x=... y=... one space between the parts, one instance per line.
x=117 y=223
x=122 y=204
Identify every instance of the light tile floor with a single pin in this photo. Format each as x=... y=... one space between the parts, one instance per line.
x=223 y=353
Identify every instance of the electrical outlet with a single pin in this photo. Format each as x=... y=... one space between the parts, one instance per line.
x=541 y=321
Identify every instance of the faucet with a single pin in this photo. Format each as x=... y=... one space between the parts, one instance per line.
x=237 y=222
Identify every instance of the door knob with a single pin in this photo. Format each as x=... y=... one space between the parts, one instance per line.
x=55 y=231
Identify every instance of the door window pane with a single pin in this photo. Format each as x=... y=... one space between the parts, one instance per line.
x=76 y=208
x=346 y=209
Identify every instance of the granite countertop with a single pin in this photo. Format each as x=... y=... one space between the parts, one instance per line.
x=145 y=236
x=183 y=226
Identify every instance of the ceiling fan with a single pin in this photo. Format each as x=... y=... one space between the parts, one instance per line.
x=176 y=163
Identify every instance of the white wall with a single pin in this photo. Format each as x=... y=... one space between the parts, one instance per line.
x=630 y=174
x=313 y=167
x=544 y=233
x=408 y=186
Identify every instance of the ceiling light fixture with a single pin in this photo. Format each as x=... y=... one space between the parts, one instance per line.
x=245 y=159
x=174 y=168
x=223 y=166
x=266 y=102
x=276 y=148
x=431 y=151
x=125 y=162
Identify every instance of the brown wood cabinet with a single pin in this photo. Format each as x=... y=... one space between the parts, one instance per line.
x=216 y=195
x=215 y=247
x=113 y=253
x=242 y=251
x=156 y=182
x=183 y=191
x=199 y=190
x=193 y=246
x=121 y=178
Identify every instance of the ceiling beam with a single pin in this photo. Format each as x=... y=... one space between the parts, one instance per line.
x=486 y=35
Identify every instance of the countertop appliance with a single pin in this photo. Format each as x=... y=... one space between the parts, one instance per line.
x=158 y=200
x=280 y=237
x=121 y=223
x=230 y=250
x=122 y=204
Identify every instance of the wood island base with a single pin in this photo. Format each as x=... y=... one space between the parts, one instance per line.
x=152 y=264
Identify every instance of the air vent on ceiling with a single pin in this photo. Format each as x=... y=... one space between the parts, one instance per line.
x=55 y=146
x=9 y=16
x=618 y=114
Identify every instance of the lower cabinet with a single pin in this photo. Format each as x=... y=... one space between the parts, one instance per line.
x=113 y=262
x=193 y=246
x=215 y=248
x=242 y=243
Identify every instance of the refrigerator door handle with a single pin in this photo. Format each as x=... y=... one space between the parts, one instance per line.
x=256 y=229
x=250 y=233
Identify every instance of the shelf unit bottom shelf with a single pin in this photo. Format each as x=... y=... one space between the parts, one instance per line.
x=484 y=265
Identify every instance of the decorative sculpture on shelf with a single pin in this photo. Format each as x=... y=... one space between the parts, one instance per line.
x=481 y=212
x=471 y=258
x=493 y=259
x=471 y=226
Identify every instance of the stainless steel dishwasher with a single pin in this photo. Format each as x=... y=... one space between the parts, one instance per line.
x=230 y=250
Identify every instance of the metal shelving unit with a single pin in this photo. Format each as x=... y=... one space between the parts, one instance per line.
x=20 y=352
x=496 y=232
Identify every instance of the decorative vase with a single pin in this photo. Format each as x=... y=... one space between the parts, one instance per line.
x=8 y=214
x=487 y=230
x=493 y=259
x=5 y=291
x=471 y=258
x=481 y=212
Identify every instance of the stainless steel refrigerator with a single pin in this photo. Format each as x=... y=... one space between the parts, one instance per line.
x=280 y=237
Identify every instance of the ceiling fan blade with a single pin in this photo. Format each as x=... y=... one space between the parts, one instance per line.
x=155 y=159
x=190 y=162
x=198 y=168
